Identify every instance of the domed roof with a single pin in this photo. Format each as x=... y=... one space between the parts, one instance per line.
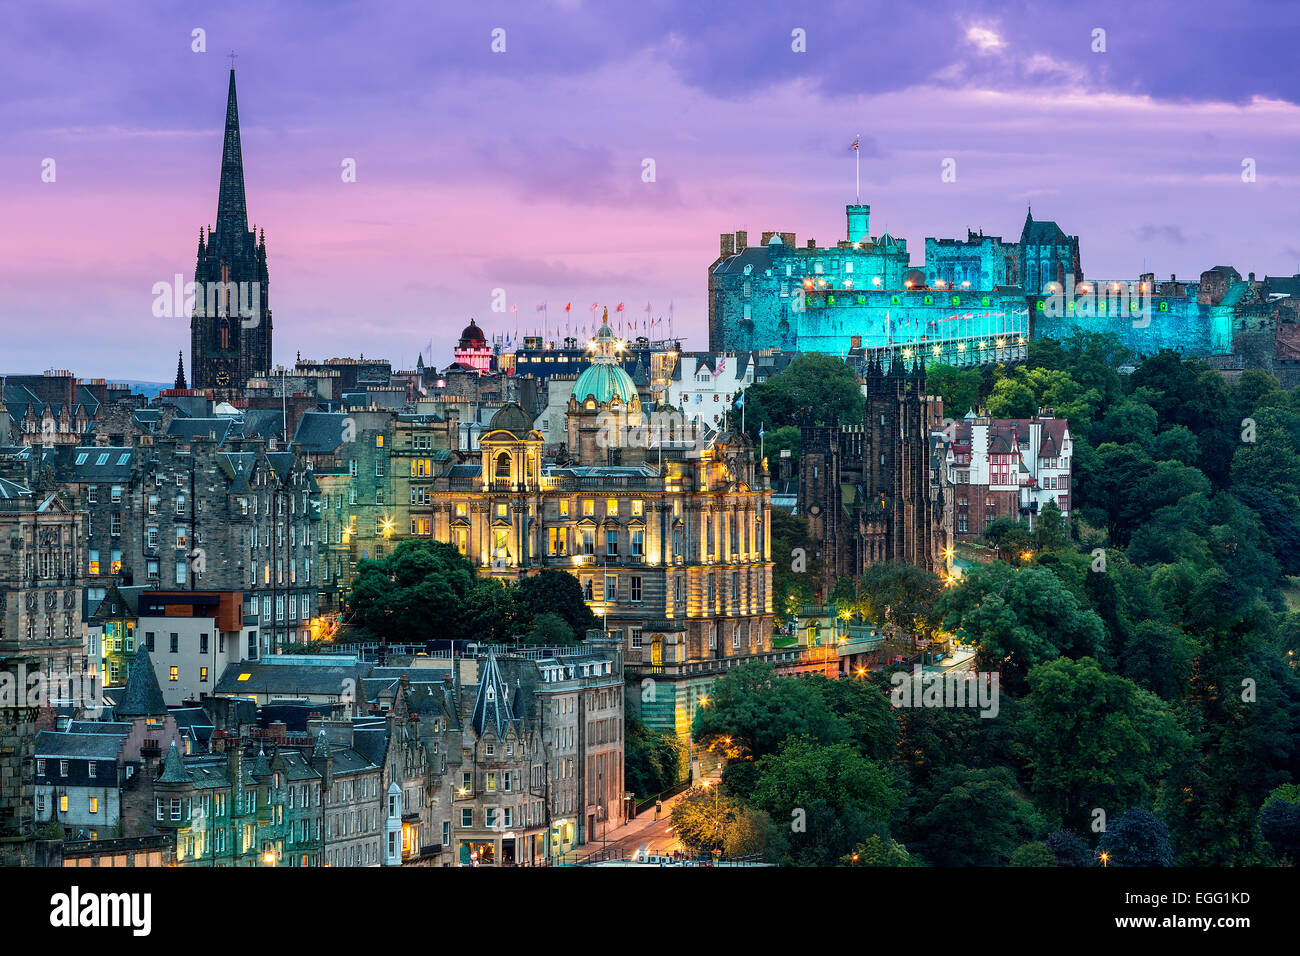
x=472 y=337
x=605 y=380
x=604 y=383
x=512 y=418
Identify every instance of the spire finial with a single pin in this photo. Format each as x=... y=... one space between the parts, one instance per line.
x=232 y=54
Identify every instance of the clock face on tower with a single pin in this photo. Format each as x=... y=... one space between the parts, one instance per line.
x=223 y=377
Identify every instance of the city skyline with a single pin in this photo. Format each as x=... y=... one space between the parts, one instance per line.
x=523 y=170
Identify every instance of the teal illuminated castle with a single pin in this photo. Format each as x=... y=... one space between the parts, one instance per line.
x=965 y=307
x=980 y=299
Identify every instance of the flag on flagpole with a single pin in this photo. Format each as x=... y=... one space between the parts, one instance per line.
x=541 y=306
x=568 y=307
x=857 y=142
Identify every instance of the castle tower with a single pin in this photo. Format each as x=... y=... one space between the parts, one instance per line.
x=230 y=330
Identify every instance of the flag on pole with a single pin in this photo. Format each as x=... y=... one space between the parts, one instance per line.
x=620 y=307
x=857 y=142
x=541 y=306
x=568 y=307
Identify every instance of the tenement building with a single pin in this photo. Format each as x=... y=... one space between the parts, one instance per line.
x=42 y=555
x=191 y=512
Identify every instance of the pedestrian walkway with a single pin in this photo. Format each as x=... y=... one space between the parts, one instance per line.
x=643 y=828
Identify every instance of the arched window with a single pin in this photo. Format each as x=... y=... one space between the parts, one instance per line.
x=503 y=466
x=225 y=334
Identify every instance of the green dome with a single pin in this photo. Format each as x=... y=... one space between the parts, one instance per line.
x=603 y=383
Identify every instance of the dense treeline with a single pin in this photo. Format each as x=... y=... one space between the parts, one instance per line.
x=427 y=589
x=1149 y=706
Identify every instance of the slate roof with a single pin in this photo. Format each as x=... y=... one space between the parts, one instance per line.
x=111 y=727
x=173 y=770
x=10 y=489
x=192 y=428
x=492 y=702
x=289 y=679
x=1042 y=232
x=51 y=743
x=100 y=463
x=141 y=698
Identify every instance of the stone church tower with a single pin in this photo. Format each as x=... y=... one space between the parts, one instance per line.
x=230 y=330
x=865 y=489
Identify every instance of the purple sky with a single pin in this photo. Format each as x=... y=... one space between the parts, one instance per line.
x=522 y=170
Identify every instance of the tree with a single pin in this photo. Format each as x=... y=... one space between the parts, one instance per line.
x=400 y=597
x=1137 y=838
x=1158 y=657
x=1095 y=740
x=558 y=592
x=869 y=721
x=1279 y=822
x=958 y=387
x=702 y=817
x=747 y=833
x=794 y=568
x=877 y=852
x=974 y=817
x=1020 y=618
x=775 y=440
x=1069 y=850
x=757 y=710
x=550 y=630
x=1011 y=399
x=653 y=760
x=899 y=594
x=1033 y=854
x=1011 y=538
x=819 y=388
x=822 y=800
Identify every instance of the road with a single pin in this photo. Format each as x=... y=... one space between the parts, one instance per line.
x=643 y=833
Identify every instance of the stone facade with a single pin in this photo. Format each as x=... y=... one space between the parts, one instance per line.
x=191 y=513
x=866 y=489
x=230 y=330
x=42 y=554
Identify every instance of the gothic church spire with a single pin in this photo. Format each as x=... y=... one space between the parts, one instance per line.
x=232 y=212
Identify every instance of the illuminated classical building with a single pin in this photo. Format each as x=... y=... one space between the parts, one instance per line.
x=670 y=541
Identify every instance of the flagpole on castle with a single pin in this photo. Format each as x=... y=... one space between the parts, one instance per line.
x=857 y=168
